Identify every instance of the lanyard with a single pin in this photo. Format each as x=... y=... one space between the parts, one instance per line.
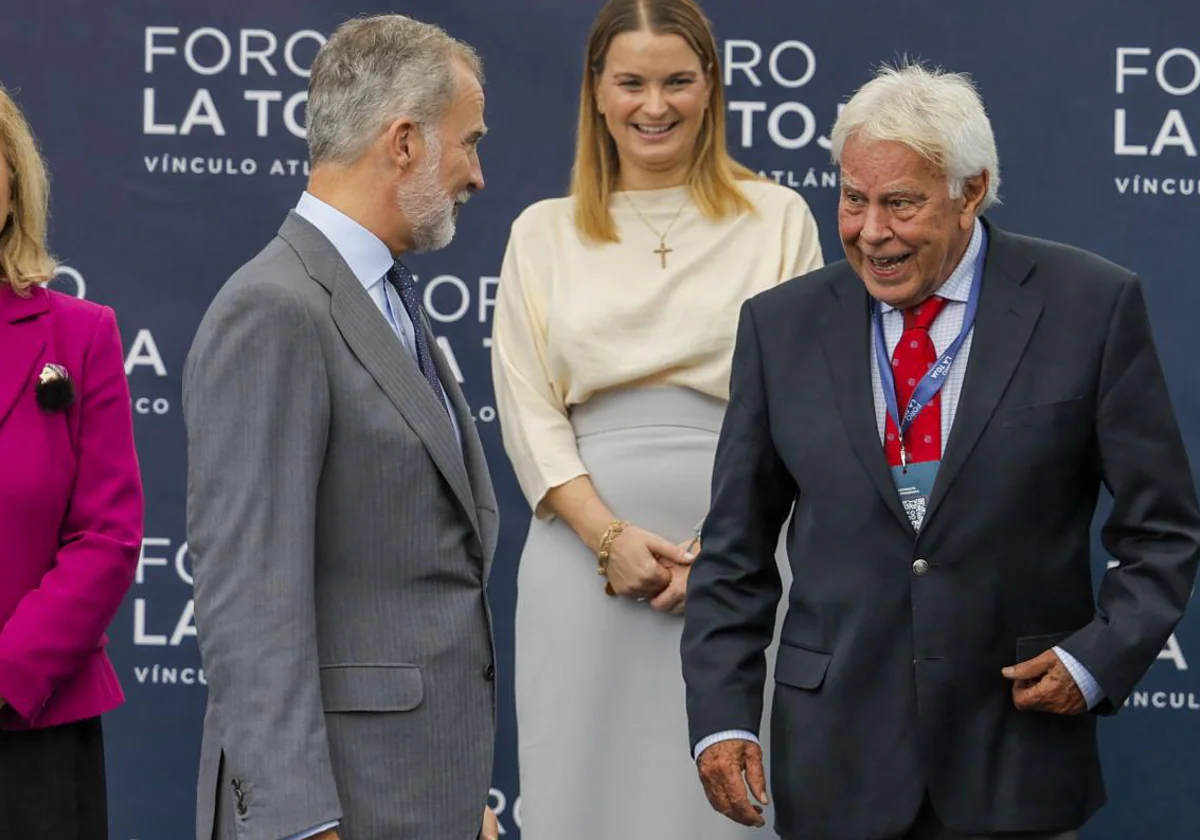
x=935 y=377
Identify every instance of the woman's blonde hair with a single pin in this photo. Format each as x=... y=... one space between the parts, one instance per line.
x=713 y=176
x=24 y=260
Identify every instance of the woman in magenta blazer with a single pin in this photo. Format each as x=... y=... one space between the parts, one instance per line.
x=70 y=519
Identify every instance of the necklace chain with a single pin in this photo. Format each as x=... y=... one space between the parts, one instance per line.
x=662 y=250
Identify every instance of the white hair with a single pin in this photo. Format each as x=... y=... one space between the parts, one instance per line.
x=374 y=70
x=937 y=114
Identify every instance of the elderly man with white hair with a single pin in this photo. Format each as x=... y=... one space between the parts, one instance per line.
x=937 y=414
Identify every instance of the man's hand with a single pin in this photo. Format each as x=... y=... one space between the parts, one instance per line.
x=491 y=826
x=331 y=834
x=721 y=767
x=1043 y=684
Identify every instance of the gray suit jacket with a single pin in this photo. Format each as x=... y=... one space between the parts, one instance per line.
x=341 y=540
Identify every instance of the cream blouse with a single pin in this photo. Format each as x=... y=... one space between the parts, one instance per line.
x=574 y=318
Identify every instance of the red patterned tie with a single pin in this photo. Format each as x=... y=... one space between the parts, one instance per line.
x=914 y=355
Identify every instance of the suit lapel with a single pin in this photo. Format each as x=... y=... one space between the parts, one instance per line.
x=378 y=349
x=1008 y=312
x=384 y=357
x=478 y=477
x=22 y=342
x=846 y=337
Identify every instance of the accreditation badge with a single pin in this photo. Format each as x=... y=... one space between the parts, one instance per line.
x=914 y=483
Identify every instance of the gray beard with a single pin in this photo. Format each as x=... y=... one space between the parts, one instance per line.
x=428 y=208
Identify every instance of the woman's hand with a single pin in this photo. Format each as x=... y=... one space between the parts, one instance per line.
x=636 y=567
x=641 y=565
x=672 y=598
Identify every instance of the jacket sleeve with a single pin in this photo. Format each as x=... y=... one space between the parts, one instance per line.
x=1153 y=531
x=734 y=586
x=256 y=405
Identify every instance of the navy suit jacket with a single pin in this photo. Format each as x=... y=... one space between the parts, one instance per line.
x=888 y=678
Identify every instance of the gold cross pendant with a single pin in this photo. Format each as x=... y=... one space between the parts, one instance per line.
x=662 y=250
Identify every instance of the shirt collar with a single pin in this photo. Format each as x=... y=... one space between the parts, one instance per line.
x=362 y=250
x=958 y=287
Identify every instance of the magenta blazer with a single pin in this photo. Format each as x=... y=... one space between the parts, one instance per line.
x=71 y=509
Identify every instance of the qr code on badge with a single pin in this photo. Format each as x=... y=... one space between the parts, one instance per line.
x=915 y=508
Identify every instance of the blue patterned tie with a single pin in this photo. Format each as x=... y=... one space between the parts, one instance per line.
x=406 y=287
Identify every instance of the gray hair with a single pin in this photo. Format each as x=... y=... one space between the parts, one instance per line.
x=937 y=114
x=374 y=70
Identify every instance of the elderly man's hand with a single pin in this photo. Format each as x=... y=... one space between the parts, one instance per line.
x=721 y=767
x=1043 y=684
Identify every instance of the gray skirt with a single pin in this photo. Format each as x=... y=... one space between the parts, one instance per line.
x=602 y=728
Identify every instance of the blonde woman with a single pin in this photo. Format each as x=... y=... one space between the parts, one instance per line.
x=611 y=354
x=70 y=519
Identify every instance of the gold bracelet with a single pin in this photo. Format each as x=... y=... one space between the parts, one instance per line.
x=613 y=530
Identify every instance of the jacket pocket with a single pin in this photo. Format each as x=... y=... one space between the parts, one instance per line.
x=371 y=688
x=1037 y=415
x=800 y=667
x=1029 y=647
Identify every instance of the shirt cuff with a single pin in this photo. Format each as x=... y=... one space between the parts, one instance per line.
x=312 y=832
x=1092 y=692
x=718 y=737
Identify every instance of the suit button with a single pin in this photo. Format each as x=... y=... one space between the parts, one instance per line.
x=241 y=808
x=920 y=567
x=489 y=673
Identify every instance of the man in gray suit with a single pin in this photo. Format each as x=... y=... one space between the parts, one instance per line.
x=341 y=518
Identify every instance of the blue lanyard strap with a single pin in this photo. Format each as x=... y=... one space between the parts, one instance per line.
x=933 y=380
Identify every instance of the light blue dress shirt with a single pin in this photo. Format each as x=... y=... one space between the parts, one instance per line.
x=956 y=290
x=370 y=260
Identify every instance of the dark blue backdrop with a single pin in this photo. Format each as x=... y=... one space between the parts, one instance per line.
x=172 y=132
